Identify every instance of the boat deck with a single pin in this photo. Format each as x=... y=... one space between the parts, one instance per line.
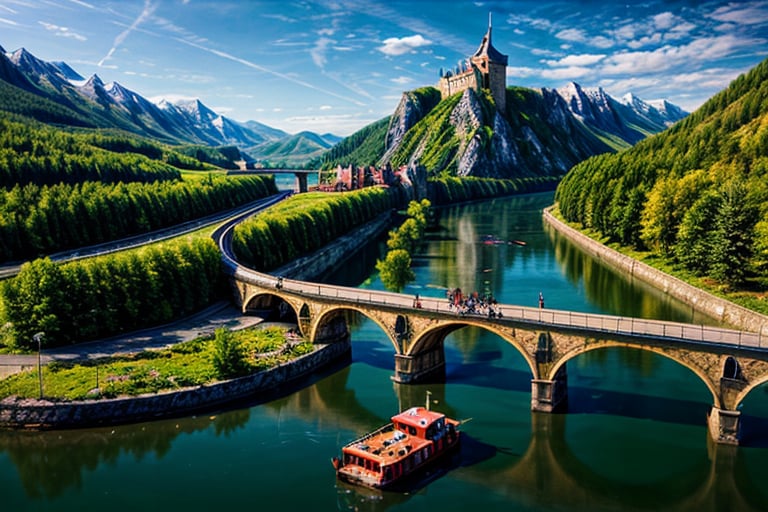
x=386 y=445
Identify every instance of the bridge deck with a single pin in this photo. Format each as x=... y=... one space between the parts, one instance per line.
x=521 y=315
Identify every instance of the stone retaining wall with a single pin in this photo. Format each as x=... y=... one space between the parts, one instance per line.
x=725 y=311
x=43 y=414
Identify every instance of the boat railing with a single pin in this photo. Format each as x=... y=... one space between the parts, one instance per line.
x=376 y=432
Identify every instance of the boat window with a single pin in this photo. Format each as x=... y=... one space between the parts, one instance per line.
x=412 y=430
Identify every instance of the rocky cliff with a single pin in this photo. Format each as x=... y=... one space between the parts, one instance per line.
x=542 y=132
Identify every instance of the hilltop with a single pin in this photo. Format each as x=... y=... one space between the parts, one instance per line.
x=541 y=132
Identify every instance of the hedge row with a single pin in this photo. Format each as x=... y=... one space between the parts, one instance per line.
x=305 y=223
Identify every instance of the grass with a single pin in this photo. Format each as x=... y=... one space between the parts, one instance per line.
x=182 y=365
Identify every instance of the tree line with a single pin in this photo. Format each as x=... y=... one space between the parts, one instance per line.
x=695 y=194
x=100 y=297
x=451 y=189
x=395 y=269
x=37 y=220
x=305 y=223
x=34 y=153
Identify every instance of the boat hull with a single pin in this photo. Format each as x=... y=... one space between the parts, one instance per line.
x=353 y=476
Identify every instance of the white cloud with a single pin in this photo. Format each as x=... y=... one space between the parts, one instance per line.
x=750 y=13
x=402 y=80
x=326 y=107
x=9 y=22
x=586 y=59
x=669 y=57
x=62 y=31
x=568 y=73
x=572 y=34
x=521 y=72
x=318 y=51
x=146 y=12
x=83 y=4
x=398 y=46
x=664 y=20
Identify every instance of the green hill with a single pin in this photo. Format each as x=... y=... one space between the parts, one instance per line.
x=464 y=134
x=696 y=194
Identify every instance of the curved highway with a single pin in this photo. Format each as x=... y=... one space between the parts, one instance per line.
x=240 y=213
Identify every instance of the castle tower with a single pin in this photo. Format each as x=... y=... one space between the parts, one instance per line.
x=493 y=68
x=487 y=69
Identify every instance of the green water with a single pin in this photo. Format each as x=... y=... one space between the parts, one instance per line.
x=634 y=437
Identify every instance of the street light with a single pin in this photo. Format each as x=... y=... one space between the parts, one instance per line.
x=38 y=337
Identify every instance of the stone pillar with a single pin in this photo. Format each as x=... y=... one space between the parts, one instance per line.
x=423 y=367
x=550 y=395
x=301 y=182
x=724 y=425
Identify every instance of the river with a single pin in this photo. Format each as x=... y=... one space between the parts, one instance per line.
x=634 y=437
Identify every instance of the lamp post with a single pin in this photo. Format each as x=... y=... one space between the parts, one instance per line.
x=39 y=339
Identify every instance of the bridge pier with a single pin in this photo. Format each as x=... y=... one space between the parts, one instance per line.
x=724 y=425
x=301 y=182
x=421 y=367
x=550 y=395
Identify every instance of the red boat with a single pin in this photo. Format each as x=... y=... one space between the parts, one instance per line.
x=415 y=438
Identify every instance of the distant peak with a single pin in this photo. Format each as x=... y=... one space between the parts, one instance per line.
x=95 y=79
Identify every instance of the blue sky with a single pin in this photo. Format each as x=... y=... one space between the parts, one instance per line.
x=336 y=66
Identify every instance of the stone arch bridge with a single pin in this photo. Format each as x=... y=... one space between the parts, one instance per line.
x=730 y=363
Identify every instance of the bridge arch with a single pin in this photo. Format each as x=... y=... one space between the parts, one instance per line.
x=606 y=344
x=280 y=307
x=325 y=317
x=742 y=395
x=433 y=338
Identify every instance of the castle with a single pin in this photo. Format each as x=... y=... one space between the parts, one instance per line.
x=486 y=69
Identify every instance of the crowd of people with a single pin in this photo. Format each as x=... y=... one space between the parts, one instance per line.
x=473 y=304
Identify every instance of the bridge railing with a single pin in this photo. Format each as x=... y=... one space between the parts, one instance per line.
x=627 y=326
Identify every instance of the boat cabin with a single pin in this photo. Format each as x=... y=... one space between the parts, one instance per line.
x=414 y=437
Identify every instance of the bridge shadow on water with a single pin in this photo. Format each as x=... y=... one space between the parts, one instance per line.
x=583 y=400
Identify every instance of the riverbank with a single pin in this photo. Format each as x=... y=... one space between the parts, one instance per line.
x=45 y=414
x=720 y=309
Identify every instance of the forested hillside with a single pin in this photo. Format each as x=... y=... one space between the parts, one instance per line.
x=364 y=147
x=63 y=189
x=696 y=194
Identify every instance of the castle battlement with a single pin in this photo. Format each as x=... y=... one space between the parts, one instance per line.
x=486 y=69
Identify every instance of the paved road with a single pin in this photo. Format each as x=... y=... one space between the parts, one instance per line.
x=221 y=314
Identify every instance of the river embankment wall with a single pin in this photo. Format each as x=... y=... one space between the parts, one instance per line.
x=44 y=414
x=718 y=308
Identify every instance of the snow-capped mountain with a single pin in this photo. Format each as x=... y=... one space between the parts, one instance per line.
x=38 y=70
x=631 y=118
x=96 y=103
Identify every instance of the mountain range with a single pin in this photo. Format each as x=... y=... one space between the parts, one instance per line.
x=541 y=132
x=53 y=92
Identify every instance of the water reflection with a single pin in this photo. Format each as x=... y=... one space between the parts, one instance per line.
x=628 y=442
